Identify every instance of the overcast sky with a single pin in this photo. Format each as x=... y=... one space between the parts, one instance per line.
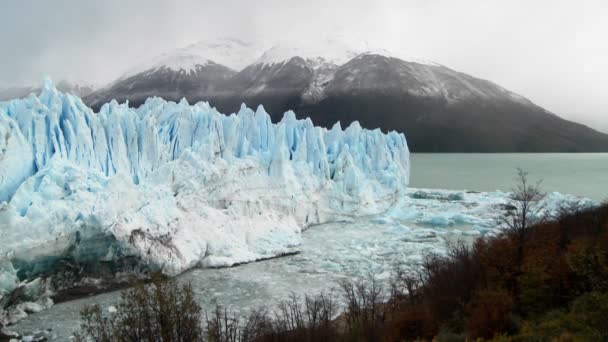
x=553 y=52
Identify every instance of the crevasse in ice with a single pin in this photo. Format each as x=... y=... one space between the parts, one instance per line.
x=178 y=185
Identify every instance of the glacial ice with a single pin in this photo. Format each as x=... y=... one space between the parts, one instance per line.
x=178 y=185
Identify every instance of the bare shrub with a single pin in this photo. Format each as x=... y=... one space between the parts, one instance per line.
x=309 y=319
x=526 y=198
x=161 y=311
x=221 y=327
x=295 y=319
x=366 y=308
x=406 y=283
x=258 y=326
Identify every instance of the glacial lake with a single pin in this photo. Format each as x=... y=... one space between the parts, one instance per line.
x=581 y=174
x=426 y=222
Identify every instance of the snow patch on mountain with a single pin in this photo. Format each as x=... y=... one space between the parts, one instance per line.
x=179 y=61
x=321 y=52
x=232 y=53
x=178 y=185
x=315 y=55
x=238 y=54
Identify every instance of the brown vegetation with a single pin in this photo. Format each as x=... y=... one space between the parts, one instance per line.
x=161 y=311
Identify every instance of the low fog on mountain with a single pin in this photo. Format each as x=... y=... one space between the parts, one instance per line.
x=548 y=51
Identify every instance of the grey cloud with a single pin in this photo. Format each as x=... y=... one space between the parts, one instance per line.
x=552 y=52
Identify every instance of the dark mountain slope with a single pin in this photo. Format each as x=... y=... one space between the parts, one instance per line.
x=438 y=109
x=204 y=81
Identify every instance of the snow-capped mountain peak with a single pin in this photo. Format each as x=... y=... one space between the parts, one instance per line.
x=328 y=51
x=232 y=53
x=343 y=79
x=237 y=54
x=179 y=60
x=331 y=50
x=182 y=61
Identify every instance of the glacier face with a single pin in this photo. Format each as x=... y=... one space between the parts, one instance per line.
x=178 y=185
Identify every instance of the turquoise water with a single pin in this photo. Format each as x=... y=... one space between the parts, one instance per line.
x=581 y=174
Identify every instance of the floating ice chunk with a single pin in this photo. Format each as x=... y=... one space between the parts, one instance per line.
x=460 y=218
x=400 y=229
x=382 y=220
x=404 y=212
x=458 y=196
x=437 y=220
x=438 y=195
x=553 y=203
x=419 y=235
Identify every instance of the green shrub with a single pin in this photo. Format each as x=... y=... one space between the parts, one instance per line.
x=584 y=321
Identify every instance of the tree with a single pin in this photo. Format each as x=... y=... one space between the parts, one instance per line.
x=526 y=197
x=517 y=222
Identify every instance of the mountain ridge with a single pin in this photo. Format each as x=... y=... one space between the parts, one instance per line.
x=438 y=108
x=78 y=88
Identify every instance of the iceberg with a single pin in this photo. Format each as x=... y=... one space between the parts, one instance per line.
x=175 y=185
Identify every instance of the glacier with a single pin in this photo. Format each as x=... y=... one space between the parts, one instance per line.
x=176 y=185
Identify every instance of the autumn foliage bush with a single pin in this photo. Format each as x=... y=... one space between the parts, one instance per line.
x=564 y=263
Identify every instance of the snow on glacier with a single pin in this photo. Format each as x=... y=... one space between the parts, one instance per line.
x=179 y=185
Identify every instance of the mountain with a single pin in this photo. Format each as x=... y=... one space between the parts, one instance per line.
x=439 y=109
x=192 y=72
x=76 y=88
